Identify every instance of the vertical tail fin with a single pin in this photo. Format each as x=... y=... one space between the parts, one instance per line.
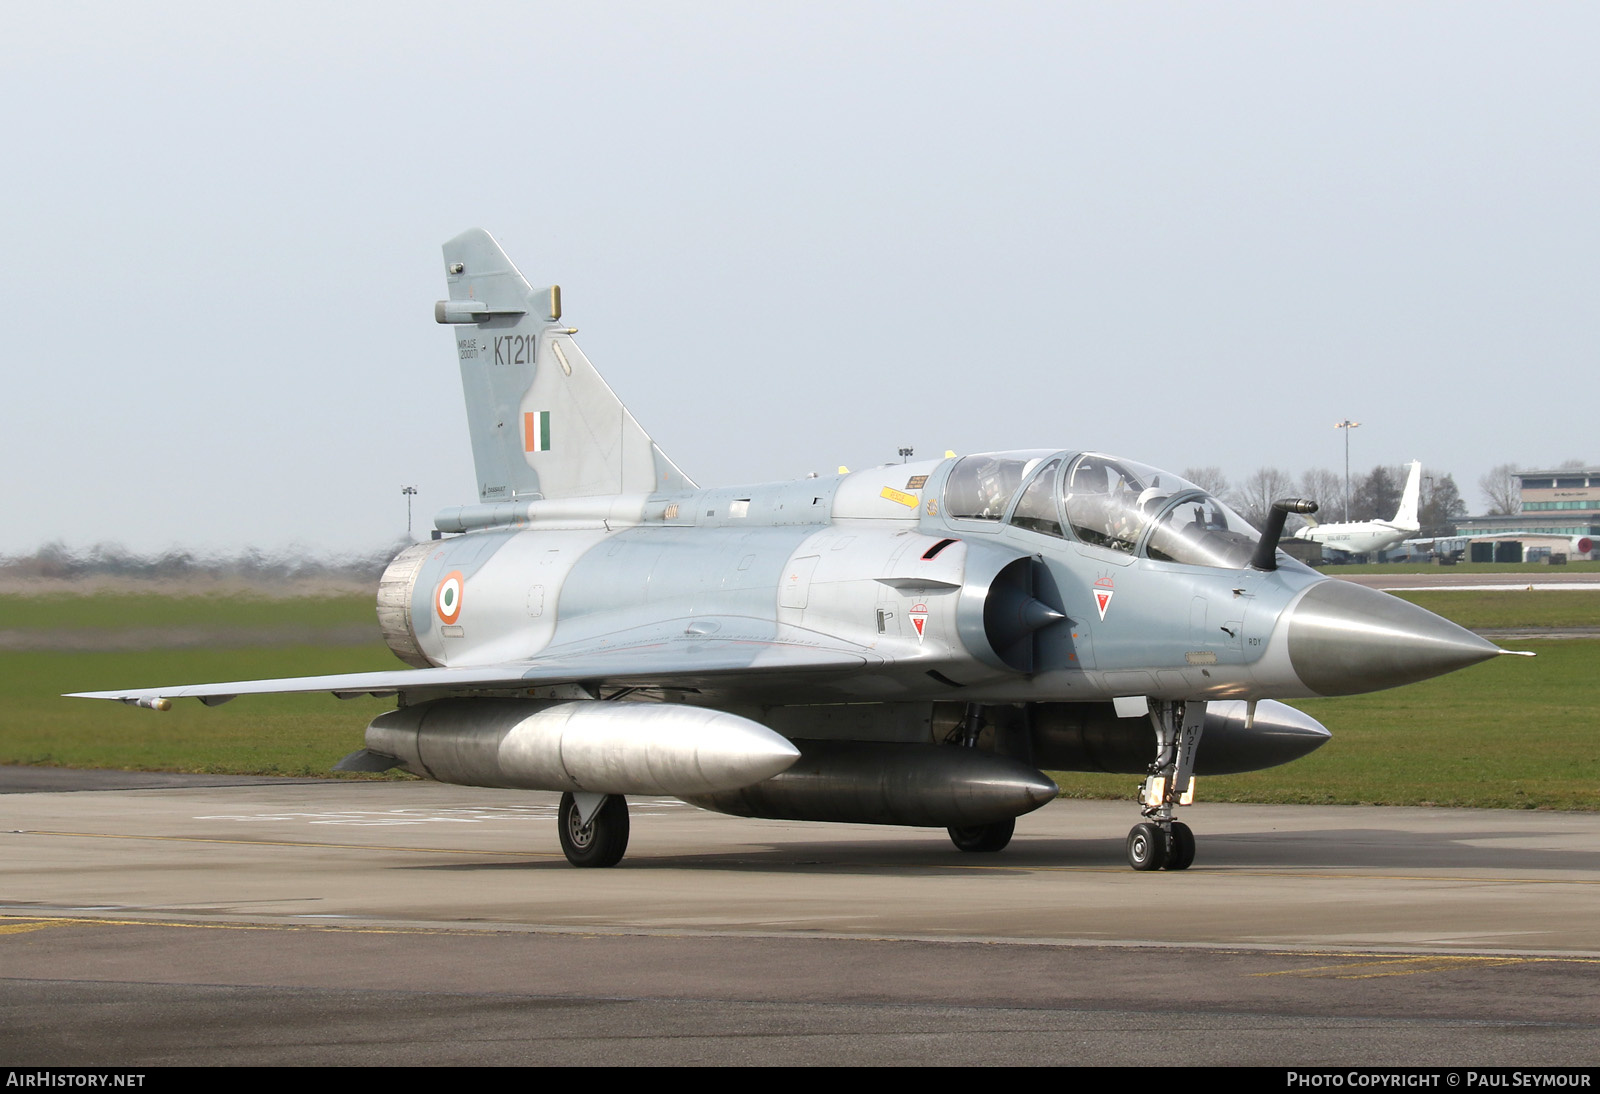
x=1407 y=516
x=543 y=422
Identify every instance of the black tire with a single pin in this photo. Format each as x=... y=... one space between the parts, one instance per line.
x=983 y=837
x=1181 y=855
x=1147 y=847
x=603 y=841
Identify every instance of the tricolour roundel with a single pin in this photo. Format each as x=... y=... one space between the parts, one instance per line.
x=447 y=597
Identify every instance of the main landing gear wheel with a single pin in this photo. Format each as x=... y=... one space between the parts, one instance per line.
x=1180 y=853
x=983 y=837
x=1147 y=847
x=602 y=841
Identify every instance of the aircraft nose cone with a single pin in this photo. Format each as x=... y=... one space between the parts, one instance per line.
x=1345 y=639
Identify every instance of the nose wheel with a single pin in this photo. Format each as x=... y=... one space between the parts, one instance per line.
x=1159 y=842
x=1152 y=847
x=1147 y=847
x=1180 y=848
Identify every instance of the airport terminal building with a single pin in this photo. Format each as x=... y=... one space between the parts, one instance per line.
x=1560 y=515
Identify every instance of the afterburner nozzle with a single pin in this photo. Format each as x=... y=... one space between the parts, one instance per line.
x=1345 y=639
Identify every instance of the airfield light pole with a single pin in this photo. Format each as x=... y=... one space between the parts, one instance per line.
x=905 y=454
x=1347 y=425
x=410 y=492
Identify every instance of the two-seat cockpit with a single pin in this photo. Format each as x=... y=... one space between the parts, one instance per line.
x=1102 y=501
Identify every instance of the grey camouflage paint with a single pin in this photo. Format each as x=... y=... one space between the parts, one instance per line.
x=590 y=561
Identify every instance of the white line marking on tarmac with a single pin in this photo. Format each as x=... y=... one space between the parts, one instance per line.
x=445 y=815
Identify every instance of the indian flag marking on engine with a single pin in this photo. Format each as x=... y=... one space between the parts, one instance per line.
x=919 y=620
x=1102 y=600
x=536 y=431
x=447 y=597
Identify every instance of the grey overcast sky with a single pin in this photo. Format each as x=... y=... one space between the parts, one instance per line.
x=793 y=235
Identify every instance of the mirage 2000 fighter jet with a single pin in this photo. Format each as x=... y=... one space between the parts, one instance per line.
x=912 y=644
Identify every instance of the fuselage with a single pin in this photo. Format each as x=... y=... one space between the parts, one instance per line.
x=1006 y=577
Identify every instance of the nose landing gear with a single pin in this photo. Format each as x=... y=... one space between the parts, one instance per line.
x=1159 y=842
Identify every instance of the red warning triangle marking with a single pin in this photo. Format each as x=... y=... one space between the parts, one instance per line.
x=1102 y=600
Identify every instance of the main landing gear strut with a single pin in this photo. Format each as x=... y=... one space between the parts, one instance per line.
x=1160 y=842
x=978 y=837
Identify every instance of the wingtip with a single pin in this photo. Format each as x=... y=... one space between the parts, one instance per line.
x=149 y=702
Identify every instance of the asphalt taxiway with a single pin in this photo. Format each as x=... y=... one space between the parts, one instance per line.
x=1448 y=578
x=348 y=922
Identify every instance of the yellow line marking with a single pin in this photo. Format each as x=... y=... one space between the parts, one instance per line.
x=908 y=500
x=1411 y=965
x=1020 y=867
x=101 y=921
x=1214 y=872
x=347 y=928
x=1367 y=958
x=23 y=926
x=1451 y=878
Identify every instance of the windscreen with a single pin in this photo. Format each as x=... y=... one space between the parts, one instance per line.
x=1118 y=503
x=1201 y=531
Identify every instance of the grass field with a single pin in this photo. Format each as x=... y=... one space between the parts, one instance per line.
x=265 y=735
x=121 y=611
x=1478 y=609
x=1513 y=732
x=260 y=735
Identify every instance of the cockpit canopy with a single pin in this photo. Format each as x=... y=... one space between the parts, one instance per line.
x=1101 y=500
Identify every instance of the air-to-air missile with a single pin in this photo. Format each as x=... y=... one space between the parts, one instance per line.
x=911 y=644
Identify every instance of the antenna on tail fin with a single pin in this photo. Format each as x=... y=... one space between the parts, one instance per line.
x=544 y=423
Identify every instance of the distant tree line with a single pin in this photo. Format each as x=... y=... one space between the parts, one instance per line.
x=251 y=566
x=1373 y=496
